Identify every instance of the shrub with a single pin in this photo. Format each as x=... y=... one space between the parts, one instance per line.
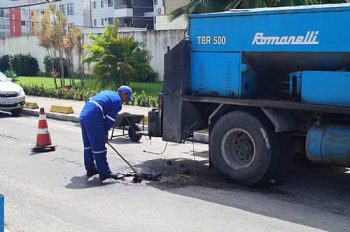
x=140 y=61
x=144 y=100
x=4 y=63
x=61 y=93
x=56 y=61
x=11 y=74
x=83 y=94
x=145 y=75
x=24 y=65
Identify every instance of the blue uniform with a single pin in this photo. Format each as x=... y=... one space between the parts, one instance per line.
x=96 y=118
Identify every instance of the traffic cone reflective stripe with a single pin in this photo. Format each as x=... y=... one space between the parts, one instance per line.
x=42 y=116
x=43 y=139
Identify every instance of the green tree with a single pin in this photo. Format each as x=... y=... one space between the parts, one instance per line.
x=140 y=60
x=79 y=37
x=46 y=40
x=209 y=6
x=112 y=57
x=58 y=38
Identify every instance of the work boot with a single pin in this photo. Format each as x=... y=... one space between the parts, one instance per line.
x=91 y=173
x=111 y=176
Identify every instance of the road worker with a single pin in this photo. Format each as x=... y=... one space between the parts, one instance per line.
x=96 y=118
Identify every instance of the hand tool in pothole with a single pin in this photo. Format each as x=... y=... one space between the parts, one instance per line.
x=138 y=177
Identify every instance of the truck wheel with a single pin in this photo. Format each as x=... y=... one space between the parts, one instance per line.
x=241 y=148
x=133 y=135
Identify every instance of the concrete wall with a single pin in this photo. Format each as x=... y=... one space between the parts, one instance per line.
x=155 y=41
x=171 y=5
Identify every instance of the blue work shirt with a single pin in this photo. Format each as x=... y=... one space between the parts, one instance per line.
x=102 y=109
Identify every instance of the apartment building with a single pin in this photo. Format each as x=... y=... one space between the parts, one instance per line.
x=4 y=23
x=73 y=9
x=162 y=8
x=129 y=13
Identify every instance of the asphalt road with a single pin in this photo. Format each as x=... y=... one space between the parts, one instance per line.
x=49 y=192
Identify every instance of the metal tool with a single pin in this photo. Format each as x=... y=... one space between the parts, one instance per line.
x=138 y=176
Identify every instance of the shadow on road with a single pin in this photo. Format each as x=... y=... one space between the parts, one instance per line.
x=4 y=114
x=122 y=140
x=81 y=182
x=309 y=195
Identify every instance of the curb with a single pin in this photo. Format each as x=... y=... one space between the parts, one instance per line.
x=61 y=109
x=198 y=137
x=62 y=117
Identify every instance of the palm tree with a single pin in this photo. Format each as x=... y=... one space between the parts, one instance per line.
x=208 y=6
x=112 y=57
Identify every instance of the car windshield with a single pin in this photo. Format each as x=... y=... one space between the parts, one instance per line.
x=3 y=77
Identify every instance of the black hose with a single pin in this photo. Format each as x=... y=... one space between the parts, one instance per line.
x=157 y=153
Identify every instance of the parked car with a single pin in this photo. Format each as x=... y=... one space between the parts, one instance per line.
x=12 y=96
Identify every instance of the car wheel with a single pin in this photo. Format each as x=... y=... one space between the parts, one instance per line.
x=16 y=113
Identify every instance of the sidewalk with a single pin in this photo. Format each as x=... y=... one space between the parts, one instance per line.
x=78 y=106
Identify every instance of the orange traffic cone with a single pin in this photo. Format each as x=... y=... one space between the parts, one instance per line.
x=43 y=139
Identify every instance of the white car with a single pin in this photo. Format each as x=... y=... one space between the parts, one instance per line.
x=12 y=96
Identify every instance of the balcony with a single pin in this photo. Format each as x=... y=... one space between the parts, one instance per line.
x=124 y=12
x=122 y=4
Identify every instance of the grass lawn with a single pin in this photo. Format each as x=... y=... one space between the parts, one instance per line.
x=150 y=88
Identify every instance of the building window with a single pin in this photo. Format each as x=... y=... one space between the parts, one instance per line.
x=102 y=22
x=70 y=9
x=63 y=8
x=110 y=21
x=94 y=5
x=42 y=12
x=102 y=4
x=23 y=23
x=13 y=17
x=120 y=4
x=95 y=22
x=110 y=3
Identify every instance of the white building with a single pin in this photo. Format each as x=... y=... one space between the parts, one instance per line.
x=132 y=14
x=73 y=9
x=162 y=8
x=4 y=24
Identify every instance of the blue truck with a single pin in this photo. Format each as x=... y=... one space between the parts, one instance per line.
x=265 y=83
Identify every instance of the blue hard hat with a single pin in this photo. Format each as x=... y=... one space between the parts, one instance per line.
x=127 y=90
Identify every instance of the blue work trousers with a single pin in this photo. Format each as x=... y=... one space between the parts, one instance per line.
x=95 y=151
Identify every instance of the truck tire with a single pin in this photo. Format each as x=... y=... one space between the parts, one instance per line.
x=243 y=148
